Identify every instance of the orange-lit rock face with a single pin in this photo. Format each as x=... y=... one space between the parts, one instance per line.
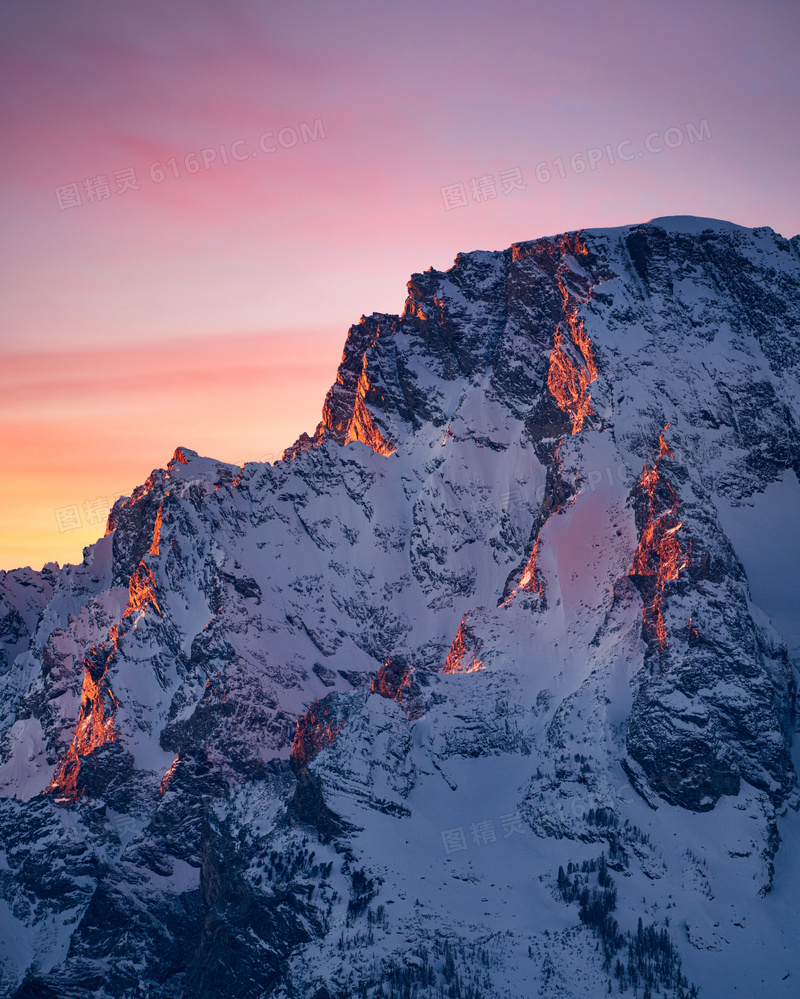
x=568 y=379
x=393 y=680
x=573 y=242
x=95 y=722
x=362 y=427
x=142 y=589
x=572 y=365
x=396 y=681
x=463 y=654
x=529 y=580
x=153 y=550
x=663 y=447
x=570 y=243
x=659 y=556
x=346 y=416
x=163 y=787
x=316 y=729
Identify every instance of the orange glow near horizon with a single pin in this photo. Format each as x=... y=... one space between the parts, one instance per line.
x=82 y=427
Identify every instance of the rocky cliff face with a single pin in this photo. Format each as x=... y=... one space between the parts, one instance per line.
x=483 y=690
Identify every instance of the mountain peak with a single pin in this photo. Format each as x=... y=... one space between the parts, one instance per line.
x=182 y=455
x=521 y=605
x=693 y=224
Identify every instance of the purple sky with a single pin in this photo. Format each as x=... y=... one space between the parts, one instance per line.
x=271 y=257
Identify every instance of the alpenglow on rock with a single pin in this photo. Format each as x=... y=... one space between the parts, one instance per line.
x=486 y=690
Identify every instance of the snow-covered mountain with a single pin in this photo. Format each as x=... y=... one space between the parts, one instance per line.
x=486 y=690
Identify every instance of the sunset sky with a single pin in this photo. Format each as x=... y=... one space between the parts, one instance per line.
x=155 y=295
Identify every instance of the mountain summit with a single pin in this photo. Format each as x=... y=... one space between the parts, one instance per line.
x=486 y=690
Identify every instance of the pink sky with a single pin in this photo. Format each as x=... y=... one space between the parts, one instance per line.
x=209 y=309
